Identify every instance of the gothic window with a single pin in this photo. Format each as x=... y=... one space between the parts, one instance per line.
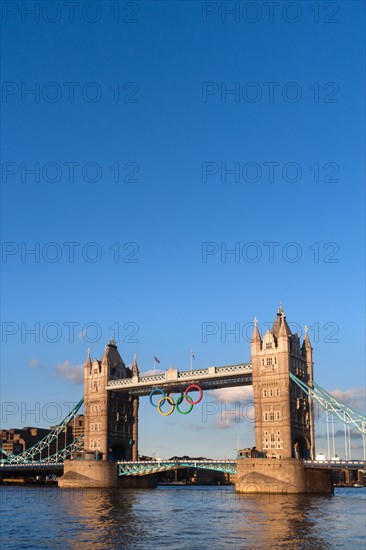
x=264 y=393
x=272 y=438
x=277 y=391
x=272 y=416
x=277 y=415
x=265 y=415
x=271 y=393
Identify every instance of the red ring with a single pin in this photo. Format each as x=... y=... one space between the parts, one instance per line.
x=200 y=397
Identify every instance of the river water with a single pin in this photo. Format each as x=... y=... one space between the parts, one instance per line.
x=180 y=518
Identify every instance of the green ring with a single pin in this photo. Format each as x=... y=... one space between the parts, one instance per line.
x=179 y=401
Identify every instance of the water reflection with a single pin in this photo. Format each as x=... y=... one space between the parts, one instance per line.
x=282 y=521
x=179 y=518
x=107 y=518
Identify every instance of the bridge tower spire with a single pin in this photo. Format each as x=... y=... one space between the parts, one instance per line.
x=284 y=414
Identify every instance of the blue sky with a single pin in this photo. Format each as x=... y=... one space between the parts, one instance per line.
x=130 y=132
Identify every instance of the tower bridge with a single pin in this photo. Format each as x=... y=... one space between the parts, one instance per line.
x=281 y=373
x=284 y=429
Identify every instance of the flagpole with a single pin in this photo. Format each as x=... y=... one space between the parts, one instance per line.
x=154 y=364
x=191 y=360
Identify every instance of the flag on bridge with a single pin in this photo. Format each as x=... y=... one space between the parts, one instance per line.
x=156 y=359
x=193 y=355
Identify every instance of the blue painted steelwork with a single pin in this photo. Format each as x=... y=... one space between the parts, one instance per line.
x=334 y=406
x=142 y=468
x=29 y=456
x=336 y=464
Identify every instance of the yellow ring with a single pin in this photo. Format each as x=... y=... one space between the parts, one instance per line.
x=162 y=400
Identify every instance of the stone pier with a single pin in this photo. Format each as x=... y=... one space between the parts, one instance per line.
x=99 y=474
x=284 y=476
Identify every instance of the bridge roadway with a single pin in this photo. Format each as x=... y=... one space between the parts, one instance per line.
x=172 y=380
x=32 y=467
x=153 y=466
x=141 y=468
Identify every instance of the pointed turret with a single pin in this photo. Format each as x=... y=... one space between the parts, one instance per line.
x=256 y=341
x=307 y=342
x=280 y=326
x=256 y=337
x=307 y=349
x=284 y=328
x=135 y=368
x=104 y=359
x=111 y=359
x=88 y=362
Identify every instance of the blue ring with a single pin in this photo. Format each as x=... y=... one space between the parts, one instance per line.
x=156 y=390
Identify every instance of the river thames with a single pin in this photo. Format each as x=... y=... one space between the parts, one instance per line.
x=180 y=518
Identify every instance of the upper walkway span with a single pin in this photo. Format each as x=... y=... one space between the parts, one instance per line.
x=210 y=378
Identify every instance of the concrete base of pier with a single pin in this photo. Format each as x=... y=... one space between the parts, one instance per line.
x=284 y=476
x=98 y=474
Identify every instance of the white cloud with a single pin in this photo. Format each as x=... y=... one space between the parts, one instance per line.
x=151 y=372
x=72 y=373
x=233 y=395
x=354 y=398
x=340 y=433
x=225 y=422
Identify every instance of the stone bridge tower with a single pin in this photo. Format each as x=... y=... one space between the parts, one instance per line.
x=284 y=419
x=111 y=418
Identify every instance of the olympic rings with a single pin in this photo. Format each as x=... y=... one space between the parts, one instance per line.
x=179 y=401
x=156 y=390
x=197 y=388
x=175 y=404
x=162 y=401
